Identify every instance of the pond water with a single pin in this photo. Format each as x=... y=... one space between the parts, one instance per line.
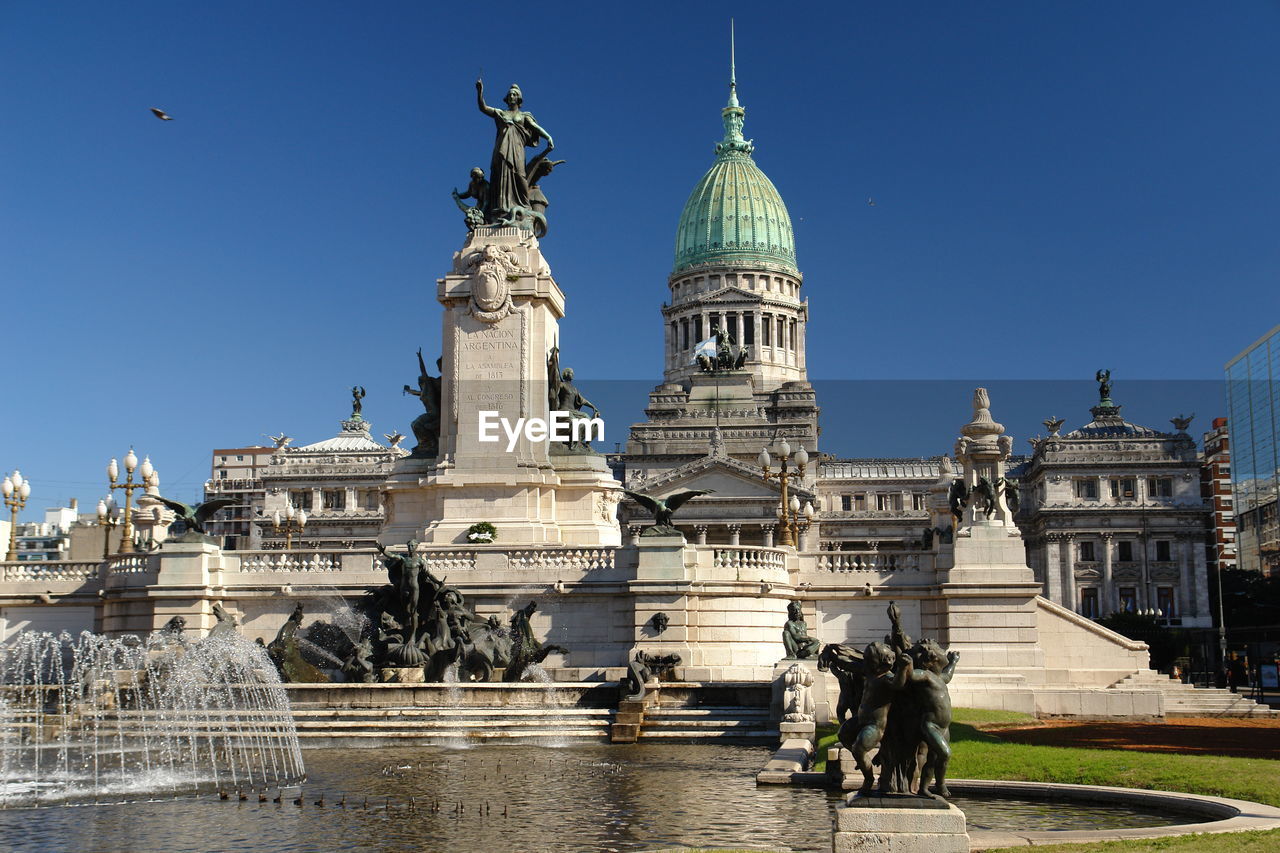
x=500 y=798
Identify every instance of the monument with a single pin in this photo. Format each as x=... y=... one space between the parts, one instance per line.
x=503 y=402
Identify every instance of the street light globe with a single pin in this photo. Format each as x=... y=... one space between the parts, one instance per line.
x=795 y=504
x=25 y=491
x=146 y=469
x=131 y=461
x=808 y=510
x=102 y=511
x=784 y=449
x=764 y=458
x=113 y=469
x=802 y=457
x=7 y=488
x=275 y=519
x=17 y=479
x=302 y=518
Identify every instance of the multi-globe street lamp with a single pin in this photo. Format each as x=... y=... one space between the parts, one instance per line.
x=788 y=516
x=16 y=491
x=109 y=518
x=145 y=473
x=294 y=521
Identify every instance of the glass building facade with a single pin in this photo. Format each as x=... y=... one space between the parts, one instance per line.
x=1253 y=412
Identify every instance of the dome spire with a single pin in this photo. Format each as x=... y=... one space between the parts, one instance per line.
x=733 y=113
x=733 y=76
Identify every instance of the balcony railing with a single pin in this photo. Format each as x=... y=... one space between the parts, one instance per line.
x=869 y=561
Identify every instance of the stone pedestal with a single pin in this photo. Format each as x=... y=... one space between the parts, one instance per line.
x=817 y=691
x=501 y=314
x=899 y=824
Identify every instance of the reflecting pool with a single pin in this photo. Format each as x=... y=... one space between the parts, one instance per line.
x=490 y=798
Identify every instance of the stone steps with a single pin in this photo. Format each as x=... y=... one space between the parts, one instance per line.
x=1186 y=700
x=708 y=723
x=443 y=723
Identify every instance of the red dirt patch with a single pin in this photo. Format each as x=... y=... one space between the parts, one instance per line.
x=1240 y=737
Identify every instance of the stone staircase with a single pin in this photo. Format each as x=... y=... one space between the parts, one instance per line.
x=1185 y=700
x=335 y=727
x=353 y=715
x=685 y=711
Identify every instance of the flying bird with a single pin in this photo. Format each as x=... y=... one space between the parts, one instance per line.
x=161 y=114
x=871 y=202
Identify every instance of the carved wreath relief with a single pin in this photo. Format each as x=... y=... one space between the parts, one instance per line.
x=491 y=269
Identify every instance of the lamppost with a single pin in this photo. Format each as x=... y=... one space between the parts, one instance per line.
x=293 y=522
x=795 y=518
x=783 y=476
x=144 y=474
x=16 y=491
x=109 y=518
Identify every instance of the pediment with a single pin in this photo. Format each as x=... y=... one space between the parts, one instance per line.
x=726 y=476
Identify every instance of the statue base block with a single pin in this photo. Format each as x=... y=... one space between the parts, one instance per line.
x=403 y=675
x=899 y=824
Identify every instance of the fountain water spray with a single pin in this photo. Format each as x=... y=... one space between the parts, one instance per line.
x=93 y=718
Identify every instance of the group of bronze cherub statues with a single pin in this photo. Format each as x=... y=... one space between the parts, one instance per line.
x=894 y=696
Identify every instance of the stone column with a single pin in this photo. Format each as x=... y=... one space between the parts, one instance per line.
x=317 y=500
x=767 y=530
x=1069 y=570
x=1106 y=601
x=735 y=531
x=350 y=499
x=701 y=530
x=1053 y=568
x=758 y=347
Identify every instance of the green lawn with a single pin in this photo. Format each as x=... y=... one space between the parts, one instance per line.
x=980 y=754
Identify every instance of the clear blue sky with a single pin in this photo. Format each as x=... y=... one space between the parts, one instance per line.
x=1059 y=187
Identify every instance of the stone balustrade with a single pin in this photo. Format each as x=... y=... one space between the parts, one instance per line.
x=290 y=561
x=567 y=559
x=53 y=571
x=872 y=561
x=747 y=558
x=127 y=564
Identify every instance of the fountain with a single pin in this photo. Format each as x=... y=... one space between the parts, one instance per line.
x=92 y=719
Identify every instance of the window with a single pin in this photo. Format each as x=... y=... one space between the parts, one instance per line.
x=1087 y=554
x=1087 y=489
x=1089 y=603
x=1164 y=550
x=1166 y=602
x=239 y=458
x=1124 y=551
x=1160 y=487
x=860 y=502
x=782 y=336
x=846 y=502
x=732 y=321
x=1128 y=599
x=222 y=474
x=1123 y=488
x=748 y=329
x=222 y=459
x=334 y=498
x=917 y=501
x=301 y=499
x=1224 y=470
x=887 y=503
x=766 y=329
x=697 y=328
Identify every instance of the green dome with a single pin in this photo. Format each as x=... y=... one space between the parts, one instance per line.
x=734 y=216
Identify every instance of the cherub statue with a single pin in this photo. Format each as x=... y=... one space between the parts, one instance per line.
x=477 y=190
x=863 y=733
x=930 y=674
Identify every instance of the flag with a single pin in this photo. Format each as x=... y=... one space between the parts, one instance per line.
x=707 y=348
